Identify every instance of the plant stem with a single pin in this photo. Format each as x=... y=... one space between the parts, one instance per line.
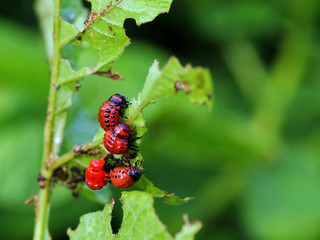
x=53 y=84
x=42 y=212
x=43 y=209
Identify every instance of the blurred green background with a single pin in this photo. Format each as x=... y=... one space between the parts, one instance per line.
x=252 y=164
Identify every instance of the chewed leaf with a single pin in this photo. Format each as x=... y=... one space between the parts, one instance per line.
x=103 y=31
x=139 y=222
x=195 y=82
x=147 y=186
x=90 y=47
x=188 y=230
x=94 y=225
x=139 y=218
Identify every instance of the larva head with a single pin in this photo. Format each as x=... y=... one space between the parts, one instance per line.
x=119 y=100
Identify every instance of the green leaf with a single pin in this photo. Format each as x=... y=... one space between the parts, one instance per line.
x=147 y=186
x=139 y=222
x=195 y=82
x=94 y=225
x=66 y=29
x=104 y=32
x=188 y=230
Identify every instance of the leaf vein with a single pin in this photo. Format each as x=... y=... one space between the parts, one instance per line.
x=101 y=32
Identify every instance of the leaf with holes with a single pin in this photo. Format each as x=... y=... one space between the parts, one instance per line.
x=103 y=32
x=139 y=222
x=91 y=47
x=195 y=82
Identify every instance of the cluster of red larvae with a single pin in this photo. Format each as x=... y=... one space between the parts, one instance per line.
x=100 y=172
x=118 y=139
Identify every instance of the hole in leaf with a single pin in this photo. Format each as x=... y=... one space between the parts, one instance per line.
x=131 y=27
x=80 y=56
x=86 y=4
x=74 y=12
x=117 y=214
x=160 y=31
x=70 y=9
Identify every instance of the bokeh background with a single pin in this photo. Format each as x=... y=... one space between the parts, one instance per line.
x=252 y=164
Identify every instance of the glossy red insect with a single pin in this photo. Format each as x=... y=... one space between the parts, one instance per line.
x=124 y=177
x=110 y=110
x=118 y=140
x=95 y=176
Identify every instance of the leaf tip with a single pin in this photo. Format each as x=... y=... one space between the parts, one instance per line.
x=187 y=222
x=188 y=230
x=155 y=64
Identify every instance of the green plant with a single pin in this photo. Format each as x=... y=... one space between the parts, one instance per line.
x=75 y=51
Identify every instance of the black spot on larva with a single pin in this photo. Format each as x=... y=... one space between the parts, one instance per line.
x=106 y=120
x=112 y=116
x=112 y=124
x=113 y=112
x=108 y=110
x=108 y=125
x=112 y=120
x=110 y=106
x=120 y=176
x=107 y=115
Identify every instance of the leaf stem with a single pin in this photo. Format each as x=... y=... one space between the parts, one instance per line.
x=42 y=211
x=73 y=153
